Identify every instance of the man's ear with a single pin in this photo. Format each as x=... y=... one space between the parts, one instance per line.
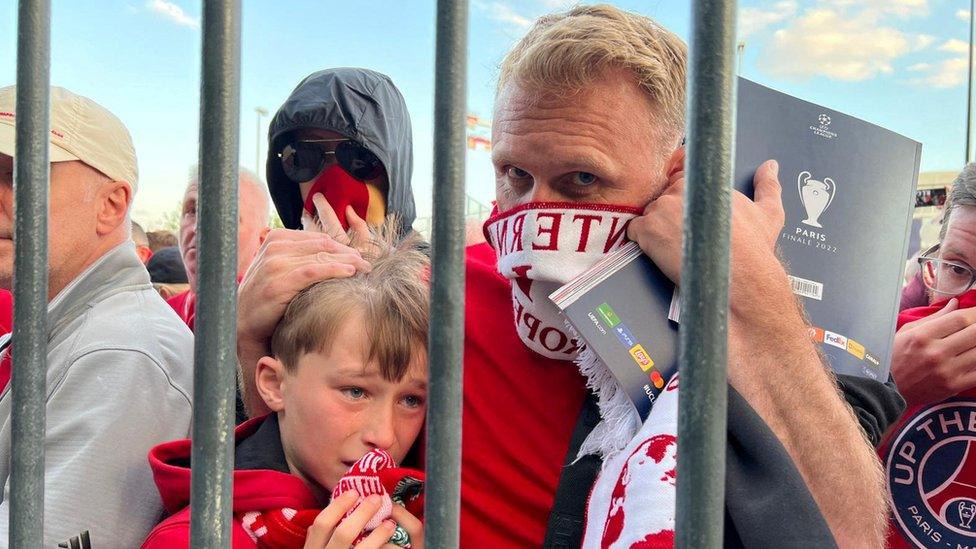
x=269 y=376
x=145 y=253
x=114 y=200
x=676 y=163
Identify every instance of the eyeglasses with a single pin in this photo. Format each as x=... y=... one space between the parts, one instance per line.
x=305 y=159
x=943 y=276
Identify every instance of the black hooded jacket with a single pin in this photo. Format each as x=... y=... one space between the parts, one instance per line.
x=360 y=104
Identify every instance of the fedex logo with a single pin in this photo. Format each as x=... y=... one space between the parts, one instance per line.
x=837 y=340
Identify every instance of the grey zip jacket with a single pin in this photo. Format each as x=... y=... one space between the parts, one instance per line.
x=360 y=104
x=119 y=374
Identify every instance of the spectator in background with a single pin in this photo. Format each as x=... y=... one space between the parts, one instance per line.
x=167 y=272
x=142 y=242
x=118 y=361
x=341 y=142
x=161 y=239
x=253 y=226
x=930 y=454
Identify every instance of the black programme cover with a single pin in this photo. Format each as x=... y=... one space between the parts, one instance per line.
x=848 y=192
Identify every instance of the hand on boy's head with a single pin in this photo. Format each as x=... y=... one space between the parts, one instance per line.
x=288 y=262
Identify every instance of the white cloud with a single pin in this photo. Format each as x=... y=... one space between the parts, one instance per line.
x=839 y=44
x=946 y=74
x=920 y=67
x=901 y=8
x=955 y=46
x=503 y=13
x=962 y=14
x=174 y=13
x=752 y=19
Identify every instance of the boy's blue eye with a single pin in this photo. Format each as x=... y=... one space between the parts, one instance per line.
x=354 y=392
x=413 y=401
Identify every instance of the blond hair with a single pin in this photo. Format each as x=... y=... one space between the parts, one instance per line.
x=392 y=299
x=563 y=52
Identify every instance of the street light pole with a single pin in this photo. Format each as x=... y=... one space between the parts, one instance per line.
x=969 y=87
x=740 y=48
x=260 y=111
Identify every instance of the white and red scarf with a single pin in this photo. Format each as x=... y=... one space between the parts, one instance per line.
x=633 y=500
x=374 y=473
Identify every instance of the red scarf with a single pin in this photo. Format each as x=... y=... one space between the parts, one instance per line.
x=966 y=301
x=374 y=473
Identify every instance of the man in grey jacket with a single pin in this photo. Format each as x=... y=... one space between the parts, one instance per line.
x=118 y=361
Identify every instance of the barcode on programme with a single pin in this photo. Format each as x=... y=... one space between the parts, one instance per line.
x=807 y=288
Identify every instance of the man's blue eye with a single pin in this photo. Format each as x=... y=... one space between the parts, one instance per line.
x=354 y=392
x=584 y=179
x=517 y=173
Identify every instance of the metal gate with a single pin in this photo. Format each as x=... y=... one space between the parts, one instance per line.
x=704 y=284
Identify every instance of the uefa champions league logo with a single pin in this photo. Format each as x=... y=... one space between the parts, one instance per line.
x=816 y=196
x=823 y=127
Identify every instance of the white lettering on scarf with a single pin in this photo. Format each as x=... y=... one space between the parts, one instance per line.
x=540 y=247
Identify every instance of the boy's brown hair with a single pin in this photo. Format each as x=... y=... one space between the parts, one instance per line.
x=393 y=299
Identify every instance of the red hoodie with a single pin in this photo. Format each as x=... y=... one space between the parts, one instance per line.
x=255 y=488
x=930 y=465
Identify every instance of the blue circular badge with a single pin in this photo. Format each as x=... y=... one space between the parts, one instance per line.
x=931 y=470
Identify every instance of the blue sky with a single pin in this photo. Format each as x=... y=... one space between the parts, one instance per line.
x=897 y=63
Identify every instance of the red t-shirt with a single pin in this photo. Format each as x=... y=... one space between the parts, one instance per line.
x=185 y=305
x=519 y=413
x=930 y=465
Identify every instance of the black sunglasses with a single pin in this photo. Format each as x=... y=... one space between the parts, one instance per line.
x=303 y=160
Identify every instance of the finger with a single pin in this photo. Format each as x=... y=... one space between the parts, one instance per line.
x=351 y=526
x=410 y=523
x=768 y=192
x=379 y=537
x=325 y=522
x=327 y=215
x=950 y=323
x=961 y=341
x=358 y=229
x=965 y=365
x=952 y=305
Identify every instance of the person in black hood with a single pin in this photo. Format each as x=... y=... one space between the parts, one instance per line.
x=344 y=133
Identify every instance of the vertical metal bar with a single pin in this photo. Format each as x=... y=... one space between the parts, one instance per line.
x=969 y=83
x=446 y=341
x=705 y=276
x=214 y=374
x=31 y=176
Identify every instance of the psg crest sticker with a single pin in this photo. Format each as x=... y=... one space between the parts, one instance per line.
x=931 y=469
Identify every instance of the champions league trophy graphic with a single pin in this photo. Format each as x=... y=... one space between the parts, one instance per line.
x=967 y=510
x=815 y=196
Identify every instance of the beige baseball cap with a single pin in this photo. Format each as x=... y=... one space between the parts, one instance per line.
x=80 y=130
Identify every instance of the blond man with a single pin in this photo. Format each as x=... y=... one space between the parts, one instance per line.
x=588 y=120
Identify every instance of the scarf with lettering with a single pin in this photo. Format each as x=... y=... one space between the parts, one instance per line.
x=374 y=473
x=540 y=247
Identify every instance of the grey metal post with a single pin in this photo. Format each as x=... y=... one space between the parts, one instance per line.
x=969 y=84
x=214 y=357
x=31 y=176
x=705 y=276
x=446 y=348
